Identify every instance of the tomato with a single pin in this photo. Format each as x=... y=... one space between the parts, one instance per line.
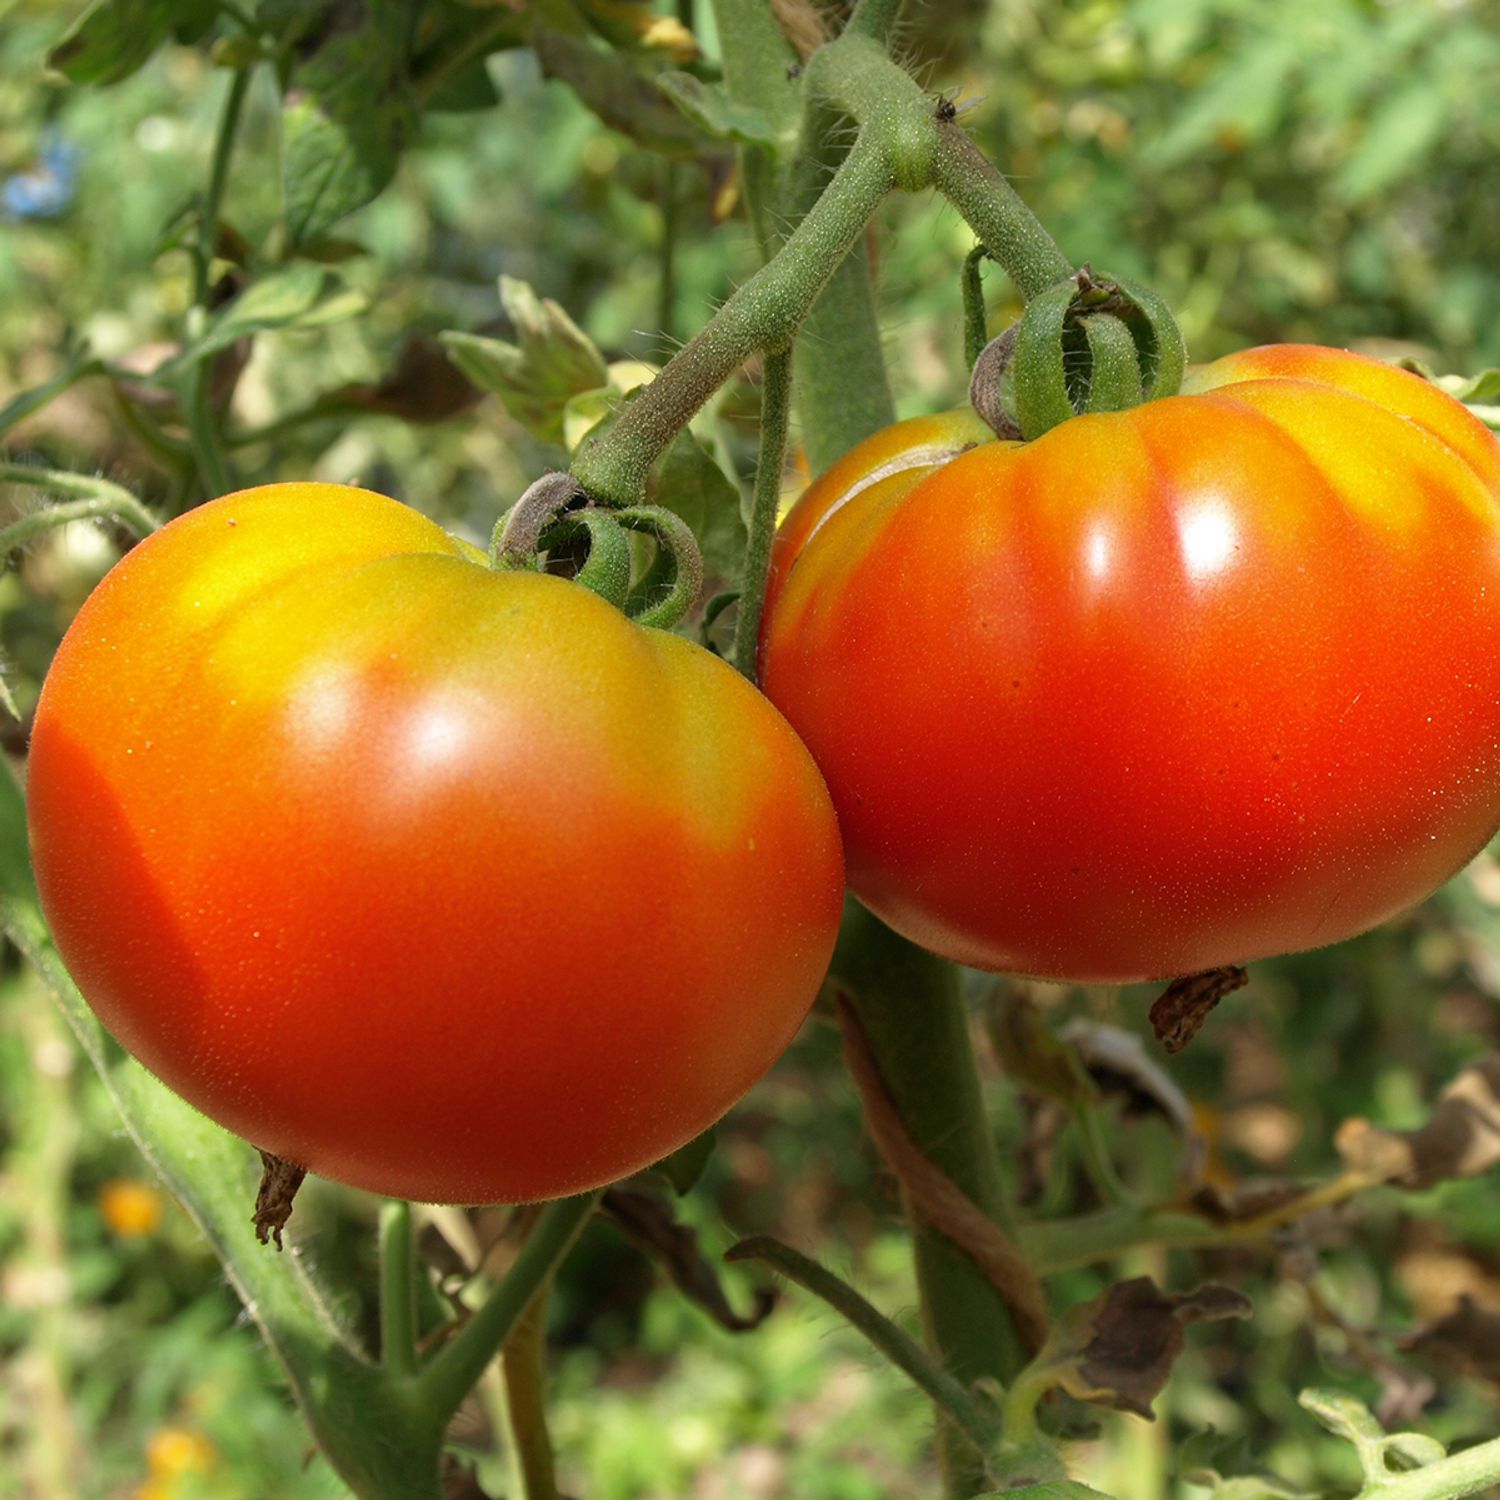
x=448 y=883
x=1167 y=689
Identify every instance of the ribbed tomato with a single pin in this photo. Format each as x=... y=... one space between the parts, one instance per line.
x=444 y=882
x=1190 y=684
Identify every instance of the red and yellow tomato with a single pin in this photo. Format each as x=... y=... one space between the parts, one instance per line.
x=448 y=883
x=1182 y=686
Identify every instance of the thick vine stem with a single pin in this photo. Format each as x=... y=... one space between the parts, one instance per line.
x=856 y=77
x=763 y=314
x=775 y=400
x=991 y=207
x=911 y=1012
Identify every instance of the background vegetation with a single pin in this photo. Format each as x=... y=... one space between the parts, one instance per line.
x=1279 y=171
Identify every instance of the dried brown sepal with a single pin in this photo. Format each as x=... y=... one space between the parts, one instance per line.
x=279 y=1181
x=1462 y=1139
x=647 y=1222
x=1185 y=1004
x=1118 y=1350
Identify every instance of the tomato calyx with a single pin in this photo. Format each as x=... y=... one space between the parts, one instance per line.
x=1088 y=344
x=1181 y=1009
x=279 y=1181
x=556 y=519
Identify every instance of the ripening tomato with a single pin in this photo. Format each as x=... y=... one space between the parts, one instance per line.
x=1167 y=689
x=448 y=883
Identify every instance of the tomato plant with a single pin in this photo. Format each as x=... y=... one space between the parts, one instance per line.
x=445 y=882
x=1166 y=689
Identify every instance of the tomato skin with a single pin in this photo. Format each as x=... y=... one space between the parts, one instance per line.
x=1210 y=679
x=451 y=884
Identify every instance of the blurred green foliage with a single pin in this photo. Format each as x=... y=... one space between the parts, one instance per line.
x=1278 y=170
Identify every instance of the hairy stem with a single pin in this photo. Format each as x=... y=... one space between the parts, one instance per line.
x=102 y=501
x=775 y=404
x=977 y=1423
x=203 y=432
x=523 y=1367
x=1009 y=230
x=398 y=1331
x=763 y=314
x=457 y=1368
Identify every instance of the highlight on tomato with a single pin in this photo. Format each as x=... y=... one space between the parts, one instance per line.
x=1164 y=690
x=450 y=883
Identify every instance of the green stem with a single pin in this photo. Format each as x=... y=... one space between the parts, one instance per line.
x=213 y=466
x=1089 y=1123
x=169 y=450
x=20 y=407
x=911 y=1009
x=1450 y=1478
x=875 y=19
x=775 y=406
x=758 y=62
x=1067 y=1243
x=398 y=1305
x=102 y=501
x=457 y=1368
x=977 y=1423
x=764 y=313
x=976 y=321
x=1008 y=229
x=523 y=1368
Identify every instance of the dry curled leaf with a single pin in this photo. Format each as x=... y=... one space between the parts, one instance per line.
x=648 y=1223
x=1119 y=1349
x=1462 y=1139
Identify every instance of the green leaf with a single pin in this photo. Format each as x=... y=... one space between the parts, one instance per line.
x=1481 y=389
x=467 y=92
x=620 y=91
x=553 y=361
x=112 y=39
x=1402 y=130
x=711 y=109
x=296 y=296
x=349 y=114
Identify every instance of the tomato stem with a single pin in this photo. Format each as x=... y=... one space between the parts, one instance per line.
x=911 y=1011
x=101 y=501
x=763 y=314
x=456 y=1369
x=775 y=392
x=203 y=432
x=1009 y=230
x=523 y=1368
x=398 y=1330
x=976 y=324
x=975 y=1422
